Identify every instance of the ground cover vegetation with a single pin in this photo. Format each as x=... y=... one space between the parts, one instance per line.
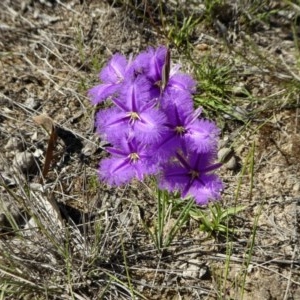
x=109 y=197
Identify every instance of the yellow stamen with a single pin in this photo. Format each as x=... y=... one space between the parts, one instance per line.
x=180 y=130
x=133 y=116
x=134 y=157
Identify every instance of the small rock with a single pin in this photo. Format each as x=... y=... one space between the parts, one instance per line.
x=204 y=272
x=223 y=142
x=202 y=47
x=225 y=154
x=296 y=187
x=24 y=161
x=227 y=157
x=231 y=164
x=192 y=270
x=250 y=268
x=8 y=211
x=36 y=187
x=32 y=103
x=240 y=90
x=34 y=137
x=8 y=179
x=38 y=153
x=89 y=149
x=14 y=144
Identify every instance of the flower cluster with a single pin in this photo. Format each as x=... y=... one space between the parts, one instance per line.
x=153 y=128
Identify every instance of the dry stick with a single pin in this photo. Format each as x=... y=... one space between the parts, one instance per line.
x=47 y=123
x=49 y=153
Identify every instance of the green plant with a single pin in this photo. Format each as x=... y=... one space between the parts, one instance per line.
x=179 y=33
x=96 y=62
x=249 y=251
x=216 y=218
x=166 y=227
x=211 y=6
x=79 y=42
x=259 y=12
x=214 y=77
x=93 y=183
x=215 y=88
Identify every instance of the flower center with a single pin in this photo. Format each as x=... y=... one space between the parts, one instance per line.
x=133 y=116
x=180 y=130
x=159 y=83
x=194 y=174
x=134 y=157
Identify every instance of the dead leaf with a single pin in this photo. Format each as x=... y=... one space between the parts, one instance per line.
x=45 y=121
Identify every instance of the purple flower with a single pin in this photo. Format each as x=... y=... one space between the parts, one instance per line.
x=112 y=76
x=130 y=159
x=181 y=82
x=191 y=176
x=202 y=135
x=150 y=63
x=184 y=128
x=172 y=97
x=153 y=126
x=134 y=113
